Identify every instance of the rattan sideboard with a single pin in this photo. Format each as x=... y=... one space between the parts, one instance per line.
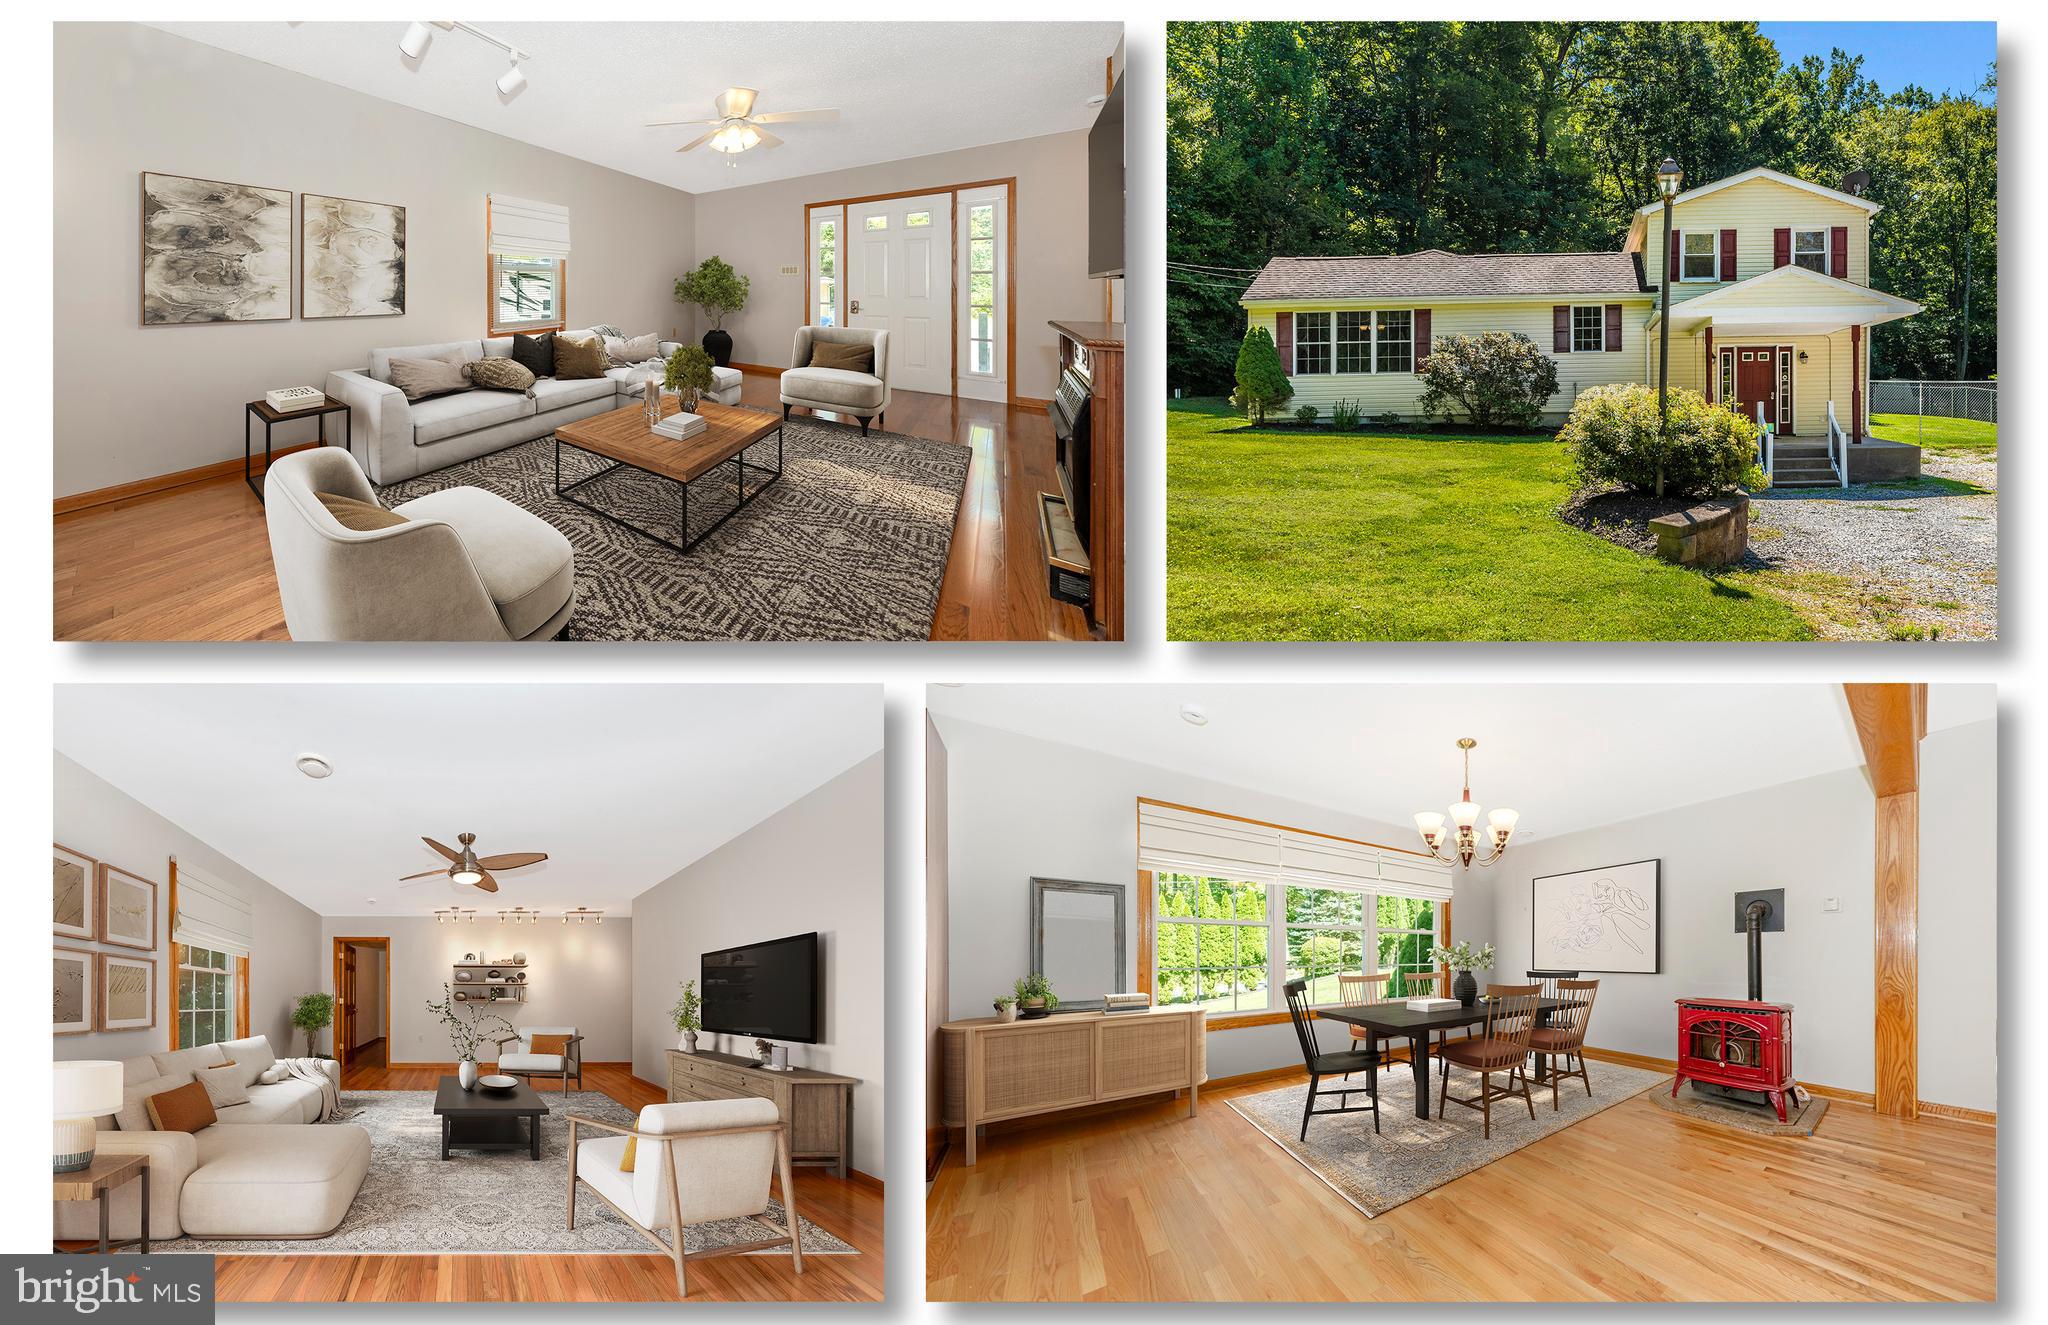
x=1014 y=1069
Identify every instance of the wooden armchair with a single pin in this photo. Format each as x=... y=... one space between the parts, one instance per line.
x=695 y=1161
x=529 y=1064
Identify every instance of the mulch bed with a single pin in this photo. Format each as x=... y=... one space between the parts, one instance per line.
x=1621 y=517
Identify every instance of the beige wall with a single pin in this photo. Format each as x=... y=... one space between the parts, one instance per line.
x=131 y=99
x=99 y=819
x=759 y=229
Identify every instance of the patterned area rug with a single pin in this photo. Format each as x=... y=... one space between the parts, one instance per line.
x=1410 y=1156
x=485 y=1200
x=850 y=544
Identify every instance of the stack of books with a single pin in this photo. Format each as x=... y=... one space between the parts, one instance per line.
x=294 y=397
x=680 y=426
x=1130 y=1002
x=1431 y=1004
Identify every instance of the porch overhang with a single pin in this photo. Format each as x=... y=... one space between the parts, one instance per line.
x=1788 y=301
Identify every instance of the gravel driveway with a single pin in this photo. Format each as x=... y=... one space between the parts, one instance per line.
x=1888 y=562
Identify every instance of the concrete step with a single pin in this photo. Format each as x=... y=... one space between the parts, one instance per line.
x=1800 y=449
x=1784 y=469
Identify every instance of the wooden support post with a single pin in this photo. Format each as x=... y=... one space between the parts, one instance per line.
x=1890 y=722
x=1713 y=368
x=1856 y=383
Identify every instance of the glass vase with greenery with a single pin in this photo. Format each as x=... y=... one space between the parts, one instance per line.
x=469 y=1026
x=688 y=374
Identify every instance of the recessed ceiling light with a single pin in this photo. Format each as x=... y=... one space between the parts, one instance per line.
x=371 y=900
x=313 y=766
x=1097 y=99
x=1194 y=715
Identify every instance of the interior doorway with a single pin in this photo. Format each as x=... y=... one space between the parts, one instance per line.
x=362 y=1001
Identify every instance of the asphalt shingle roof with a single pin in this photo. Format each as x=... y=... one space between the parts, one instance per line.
x=1435 y=272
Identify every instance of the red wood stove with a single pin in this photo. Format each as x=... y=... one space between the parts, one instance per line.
x=1736 y=1043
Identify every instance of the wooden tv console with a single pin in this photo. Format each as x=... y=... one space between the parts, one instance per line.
x=817 y=1107
x=1013 y=1069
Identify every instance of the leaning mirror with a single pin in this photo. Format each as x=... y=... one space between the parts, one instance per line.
x=1077 y=940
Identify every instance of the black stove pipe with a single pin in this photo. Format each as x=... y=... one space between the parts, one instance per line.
x=1755 y=914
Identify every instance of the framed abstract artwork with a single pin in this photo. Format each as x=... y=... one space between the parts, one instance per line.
x=74 y=991
x=127 y=992
x=351 y=258
x=1602 y=920
x=73 y=878
x=127 y=909
x=214 y=251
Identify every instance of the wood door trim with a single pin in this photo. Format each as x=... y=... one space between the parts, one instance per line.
x=171 y=966
x=341 y=942
x=1009 y=187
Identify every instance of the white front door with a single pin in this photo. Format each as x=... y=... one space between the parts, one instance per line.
x=899 y=279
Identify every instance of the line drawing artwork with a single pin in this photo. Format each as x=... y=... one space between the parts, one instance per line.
x=1597 y=919
x=1593 y=913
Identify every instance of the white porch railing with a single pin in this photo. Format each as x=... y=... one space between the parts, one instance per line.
x=1763 y=438
x=1838 y=447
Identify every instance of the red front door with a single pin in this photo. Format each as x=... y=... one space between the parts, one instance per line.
x=1756 y=376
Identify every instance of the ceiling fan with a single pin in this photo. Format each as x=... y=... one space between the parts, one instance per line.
x=737 y=128
x=468 y=870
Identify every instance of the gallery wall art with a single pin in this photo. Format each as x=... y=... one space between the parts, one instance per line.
x=127 y=992
x=127 y=909
x=1598 y=920
x=73 y=877
x=214 y=251
x=74 y=987
x=352 y=257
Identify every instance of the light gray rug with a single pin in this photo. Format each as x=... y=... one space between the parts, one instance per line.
x=850 y=544
x=484 y=1201
x=1410 y=1156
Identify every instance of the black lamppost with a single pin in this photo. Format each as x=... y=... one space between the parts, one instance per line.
x=1668 y=177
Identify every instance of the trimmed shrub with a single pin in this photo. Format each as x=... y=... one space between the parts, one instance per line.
x=1306 y=415
x=1611 y=436
x=1261 y=385
x=1344 y=415
x=1495 y=380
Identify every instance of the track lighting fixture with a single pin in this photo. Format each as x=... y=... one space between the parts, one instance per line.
x=419 y=36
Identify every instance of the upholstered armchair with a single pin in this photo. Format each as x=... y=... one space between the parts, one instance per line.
x=864 y=396
x=694 y=1162
x=462 y=564
x=524 y=1062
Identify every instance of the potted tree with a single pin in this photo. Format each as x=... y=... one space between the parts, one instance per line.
x=684 y=1014
x=720 y=291
x=314 y=1013
x=1464 y=959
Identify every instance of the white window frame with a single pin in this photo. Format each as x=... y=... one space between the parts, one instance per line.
x=224 y=1010
x=1827 y=243
x=527 y=326
x=1338 y=343
x=1328 y=341
x=1713 y=238
x=1378 y=325
x=993 y=385
x=1599 y=312
x=819 y=218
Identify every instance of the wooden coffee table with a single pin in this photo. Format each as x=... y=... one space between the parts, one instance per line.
x=488 y=1119
x=624 y=438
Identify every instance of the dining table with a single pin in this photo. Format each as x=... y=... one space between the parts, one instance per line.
x=1396 y=1020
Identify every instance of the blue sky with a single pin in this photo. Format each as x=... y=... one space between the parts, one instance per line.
x=1941 y=57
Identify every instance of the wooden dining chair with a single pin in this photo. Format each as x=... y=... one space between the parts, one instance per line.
x=1563 y=1035
x=1358 y=987
x=1320 y=1065
x=1501 y=1047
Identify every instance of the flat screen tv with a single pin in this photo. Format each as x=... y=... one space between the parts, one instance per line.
x=768 y=990
x=1106 y=187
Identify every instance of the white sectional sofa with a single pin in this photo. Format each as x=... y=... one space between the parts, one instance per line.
x=404 y=439
x=264 y=1170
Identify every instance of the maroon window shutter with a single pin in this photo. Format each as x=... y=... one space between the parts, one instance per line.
x=1614 y=328
x=1781 y=249
x=1676 y=236
x=1422 y=338
x=1728 y=255
x=1838 y=253
x=1561 y=328
x=1283 y=340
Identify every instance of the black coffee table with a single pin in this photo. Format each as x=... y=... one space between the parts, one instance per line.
x=488 y=1119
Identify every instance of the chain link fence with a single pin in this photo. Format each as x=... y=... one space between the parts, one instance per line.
x=1977 y=401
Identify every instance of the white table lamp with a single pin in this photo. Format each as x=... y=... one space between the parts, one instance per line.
x=86 y=1090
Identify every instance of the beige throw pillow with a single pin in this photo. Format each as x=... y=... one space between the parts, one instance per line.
x=578 y=357
x=224 y=1085
x=361 y=516
x=421 y=379
x=499 y=373
x=625 y=353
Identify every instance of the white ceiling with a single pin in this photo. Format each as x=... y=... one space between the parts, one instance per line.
x=903 y=89
x=1567 y=757
x=622 y=785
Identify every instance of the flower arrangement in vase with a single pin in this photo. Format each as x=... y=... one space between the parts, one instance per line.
x=466 y=1030
x=1464 y=959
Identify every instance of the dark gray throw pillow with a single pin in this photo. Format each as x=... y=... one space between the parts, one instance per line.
x=535 y=353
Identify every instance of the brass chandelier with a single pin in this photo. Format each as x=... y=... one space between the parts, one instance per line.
x=1463 y=830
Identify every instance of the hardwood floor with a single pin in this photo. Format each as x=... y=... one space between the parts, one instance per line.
x=194 y=563
x=1633 y=1204
x=852 y=1210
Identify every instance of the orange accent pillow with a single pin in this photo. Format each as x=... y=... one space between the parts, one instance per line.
x=551 y=1044
x=186 y=1109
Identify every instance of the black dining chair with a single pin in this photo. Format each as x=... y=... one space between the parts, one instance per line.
x=1322 y=1065
x=1546 y=982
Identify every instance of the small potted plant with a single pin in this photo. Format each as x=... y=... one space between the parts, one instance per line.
x=1006 y=1008
x=314 y=1013
x=1464 y=959
x=1034 y=995
x=688 y=374
x=684 y=1013
x=466 y=1031
x=720 y=291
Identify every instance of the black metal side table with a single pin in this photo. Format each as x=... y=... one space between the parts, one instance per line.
x=261 y=409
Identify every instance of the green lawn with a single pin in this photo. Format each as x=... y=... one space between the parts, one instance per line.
x=1935 y=433
x=1278 y=534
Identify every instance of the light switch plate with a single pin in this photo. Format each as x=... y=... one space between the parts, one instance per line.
x=1831 y=904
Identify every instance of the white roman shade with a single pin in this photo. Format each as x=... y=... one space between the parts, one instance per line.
x=211 y=914
x=523 y=228
x=1177 y=841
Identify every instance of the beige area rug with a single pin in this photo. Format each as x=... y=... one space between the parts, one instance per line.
x=1760 y=1119
x=1411 y=1156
